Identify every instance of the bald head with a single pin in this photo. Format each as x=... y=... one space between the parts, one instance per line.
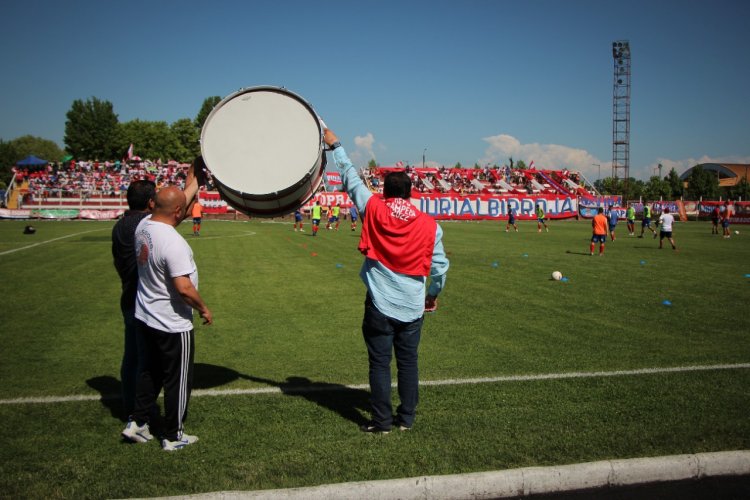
x=169 y=205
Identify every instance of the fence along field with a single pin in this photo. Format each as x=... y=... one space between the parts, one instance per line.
x=288 y=312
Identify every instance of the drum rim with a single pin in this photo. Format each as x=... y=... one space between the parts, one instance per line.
x=271 y=88
x=316 y=170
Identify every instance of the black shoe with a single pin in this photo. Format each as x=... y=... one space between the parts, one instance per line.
x=373 y=429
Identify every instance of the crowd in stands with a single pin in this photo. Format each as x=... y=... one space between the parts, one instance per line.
x=87 y=179
x=488 y=180
x=91 y=179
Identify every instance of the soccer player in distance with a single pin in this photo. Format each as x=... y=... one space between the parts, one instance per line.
x=600 y=229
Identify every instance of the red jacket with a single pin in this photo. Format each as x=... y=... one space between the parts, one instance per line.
x=398 y=236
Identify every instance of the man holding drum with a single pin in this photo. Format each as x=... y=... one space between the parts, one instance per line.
x=166 y=296
x=402 y=247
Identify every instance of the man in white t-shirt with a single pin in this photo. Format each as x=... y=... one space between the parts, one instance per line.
x=167 y=294
x=665 y=222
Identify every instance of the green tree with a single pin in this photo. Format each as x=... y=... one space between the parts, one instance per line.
x=702 y=184
x=675 y=184
x=208 y=104
x=150 y=140
x=372 y=164
x=739 y=191
x=657 y=188
x=457 y=165
x=21 y=147
x=521 y=165
x=91 y=130
x=634 y=189
x=8 y=157
x=188 y=138
x=43 y=148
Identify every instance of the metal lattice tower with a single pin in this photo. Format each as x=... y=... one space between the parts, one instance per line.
x=621 y=111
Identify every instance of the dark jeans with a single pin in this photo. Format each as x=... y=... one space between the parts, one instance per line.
x=383 y=336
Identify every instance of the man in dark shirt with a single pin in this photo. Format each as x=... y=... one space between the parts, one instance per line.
x=140 y=197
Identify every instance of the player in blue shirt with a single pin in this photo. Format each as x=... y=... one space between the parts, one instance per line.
x=511 y=219
x=613 y=218
x=298 y=219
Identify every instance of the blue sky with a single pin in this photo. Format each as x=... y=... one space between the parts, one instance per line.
x=470 y=81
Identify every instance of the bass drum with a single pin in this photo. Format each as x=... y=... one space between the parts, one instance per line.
x=264 y=149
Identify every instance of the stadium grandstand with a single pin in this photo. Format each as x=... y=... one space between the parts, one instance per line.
x=88 y=184
x=102 y=185
x=729 y=174
x=487 y=181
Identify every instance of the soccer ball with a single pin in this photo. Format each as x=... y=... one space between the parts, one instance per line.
x=736 y=232
x=557 y=276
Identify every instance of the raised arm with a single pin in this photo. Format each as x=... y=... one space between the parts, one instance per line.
x=353 y=185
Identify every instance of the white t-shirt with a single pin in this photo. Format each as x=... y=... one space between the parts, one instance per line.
x=162 y=254
x=666 y=221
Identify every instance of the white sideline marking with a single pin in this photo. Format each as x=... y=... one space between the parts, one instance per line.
x=323 y=387
x=201 y=238
x=47 y=241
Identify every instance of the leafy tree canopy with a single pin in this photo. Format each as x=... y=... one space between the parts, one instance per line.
x=208 y=104
x=151 y=140
x=702 y=184
x=91 y=129
x=188 y=139
x=21 y=147
x=675 y=183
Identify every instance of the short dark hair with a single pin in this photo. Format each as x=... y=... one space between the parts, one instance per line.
x=397 y=185
x=140 y=193
x=601 y=210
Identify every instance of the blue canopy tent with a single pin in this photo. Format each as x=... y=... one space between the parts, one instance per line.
x=31 y=161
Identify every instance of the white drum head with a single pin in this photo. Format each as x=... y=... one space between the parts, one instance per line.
x=261 y=141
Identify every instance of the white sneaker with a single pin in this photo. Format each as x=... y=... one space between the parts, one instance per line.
x=179 y=444
x=137 y=434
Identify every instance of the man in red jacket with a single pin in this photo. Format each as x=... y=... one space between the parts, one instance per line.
x=402 y=248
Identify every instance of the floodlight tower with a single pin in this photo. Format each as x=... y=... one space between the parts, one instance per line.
x=621 y=111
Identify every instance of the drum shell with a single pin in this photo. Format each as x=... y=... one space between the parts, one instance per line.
x=307 y=177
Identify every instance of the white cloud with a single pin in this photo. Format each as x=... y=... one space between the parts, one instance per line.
x=545 y=156
x=365 y=144
x=364 y=150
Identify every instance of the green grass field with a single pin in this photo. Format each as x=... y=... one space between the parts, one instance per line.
x=288 y=310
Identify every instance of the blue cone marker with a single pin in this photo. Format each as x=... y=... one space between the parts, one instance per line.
x=339 y=266
x=495 y=264
x=667 y=303
x=643 y=262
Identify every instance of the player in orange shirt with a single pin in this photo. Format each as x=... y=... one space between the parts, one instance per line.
x=197 y=213
x=601 y=228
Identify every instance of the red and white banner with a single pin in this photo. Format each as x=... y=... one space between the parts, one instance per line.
x=333 y=178
x=212 y=203
x=739 y=210
x=475 y=207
